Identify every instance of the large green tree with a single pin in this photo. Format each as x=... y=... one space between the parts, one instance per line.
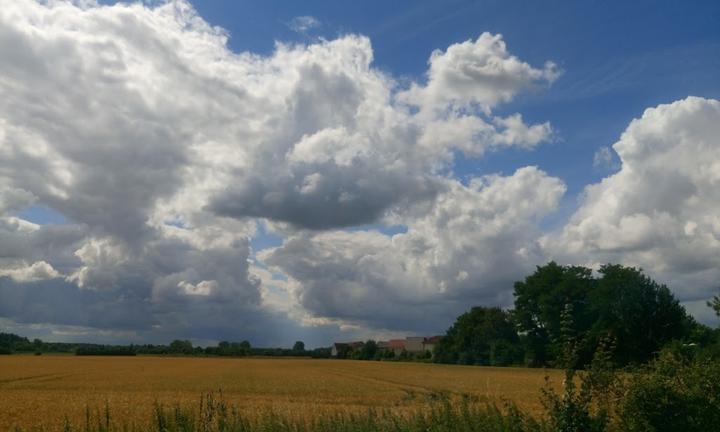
x=640 y=314
x=485 y=336
x=622 y=303
x=539 y=303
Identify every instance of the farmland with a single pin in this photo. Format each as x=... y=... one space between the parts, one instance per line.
x=41 y=391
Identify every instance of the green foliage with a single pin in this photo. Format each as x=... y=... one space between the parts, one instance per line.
x=484 y=336
x=715 y=304
x=11 y=342
x=586 y=408
x=369 y=351
x=230 y=349
x=640 y=314
x=105 y=350
x=539 y=302
x=344 y=351
x=320 y=353
x=673 y=393
x=181 y=347
x=299 y=346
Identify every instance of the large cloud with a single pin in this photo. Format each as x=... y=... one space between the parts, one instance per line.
x=160 y=147
x=468 y=249
x=661 y=210
x=342 y=151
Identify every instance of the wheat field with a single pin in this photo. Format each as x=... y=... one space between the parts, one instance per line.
x=43 y=391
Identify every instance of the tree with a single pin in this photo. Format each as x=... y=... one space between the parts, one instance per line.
x=715 y=304
x=539 y=302
x=637 y=312
x=640 y=314
x=483 y=336
x=235 y=349
x=368 y=351
x=299 y=346
x=181 y=347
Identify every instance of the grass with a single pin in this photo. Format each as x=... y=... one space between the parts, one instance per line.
x=215 y=415
x=42 y=392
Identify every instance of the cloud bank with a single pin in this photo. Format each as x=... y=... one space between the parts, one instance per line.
x=164 y=150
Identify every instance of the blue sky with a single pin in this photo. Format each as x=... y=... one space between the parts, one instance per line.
x=172 y=183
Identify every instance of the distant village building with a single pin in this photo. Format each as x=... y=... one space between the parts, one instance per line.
x=397 y=346
x=430 y=343
x=411 y=345
x=415 y=344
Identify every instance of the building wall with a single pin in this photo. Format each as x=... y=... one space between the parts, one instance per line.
x=414 y=344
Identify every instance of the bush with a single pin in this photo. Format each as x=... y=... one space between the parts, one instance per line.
x=673 y=393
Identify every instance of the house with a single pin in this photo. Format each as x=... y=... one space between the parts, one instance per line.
x=411 y=345
x=430 y=343
x=396 y=345
x=414 y=344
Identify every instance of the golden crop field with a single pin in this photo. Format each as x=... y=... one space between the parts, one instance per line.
x=42 y=391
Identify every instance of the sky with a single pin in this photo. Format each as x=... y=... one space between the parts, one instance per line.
x=324 y=171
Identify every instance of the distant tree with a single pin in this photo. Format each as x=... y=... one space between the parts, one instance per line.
x=368 y=351
x=715 y=304
x=181 y=347
x=299 y=346
x=344 y=351
x=104 y=350
x=485 y=336
x=404 y=355
x=321 y=353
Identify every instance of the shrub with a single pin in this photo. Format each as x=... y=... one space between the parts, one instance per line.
x=673 y=393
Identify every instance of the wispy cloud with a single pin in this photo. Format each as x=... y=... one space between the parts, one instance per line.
x=302 y=24
x=604 y=158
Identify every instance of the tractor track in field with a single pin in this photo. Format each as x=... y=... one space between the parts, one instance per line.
x=405 y=387
x=34 y=378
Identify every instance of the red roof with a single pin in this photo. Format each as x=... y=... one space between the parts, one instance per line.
x=396 y=343
x=433 y=340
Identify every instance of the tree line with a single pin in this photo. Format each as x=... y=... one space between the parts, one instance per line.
x=12 y=343
x=617 y=303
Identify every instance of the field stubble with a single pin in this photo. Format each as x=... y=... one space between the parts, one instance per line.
x=41 y=392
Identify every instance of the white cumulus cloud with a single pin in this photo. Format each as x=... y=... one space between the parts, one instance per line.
x=661 y=210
